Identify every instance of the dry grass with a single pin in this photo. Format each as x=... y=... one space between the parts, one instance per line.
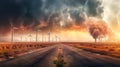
x=12 y=49
x=111 y=49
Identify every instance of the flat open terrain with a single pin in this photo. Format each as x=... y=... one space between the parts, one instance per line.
x=111 y=49
x=73 y=57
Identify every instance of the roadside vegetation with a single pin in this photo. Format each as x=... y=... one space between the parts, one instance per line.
x=12 y=50
x=110 y=49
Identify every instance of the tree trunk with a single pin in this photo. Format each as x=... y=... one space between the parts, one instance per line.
x=95 y=40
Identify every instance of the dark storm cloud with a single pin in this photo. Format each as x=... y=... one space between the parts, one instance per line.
x=94 y=7
x=30 y=11
x=90 y=6
x=15 y=9
x=21 y=8
x=76 y=8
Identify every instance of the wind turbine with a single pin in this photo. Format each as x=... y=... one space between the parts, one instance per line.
x=56 y=37
x=22 y=29
x=12 y=30
x=30 y=37
x=37 y=35
x=48 y=36
x=11 y=24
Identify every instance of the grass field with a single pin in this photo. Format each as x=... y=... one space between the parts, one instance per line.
x=12 y=49
x=110 y=49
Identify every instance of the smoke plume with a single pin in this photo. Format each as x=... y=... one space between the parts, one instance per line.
x=49 y=13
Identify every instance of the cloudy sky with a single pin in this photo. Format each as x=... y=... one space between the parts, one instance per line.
x=36 y=11
x=53 y=14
